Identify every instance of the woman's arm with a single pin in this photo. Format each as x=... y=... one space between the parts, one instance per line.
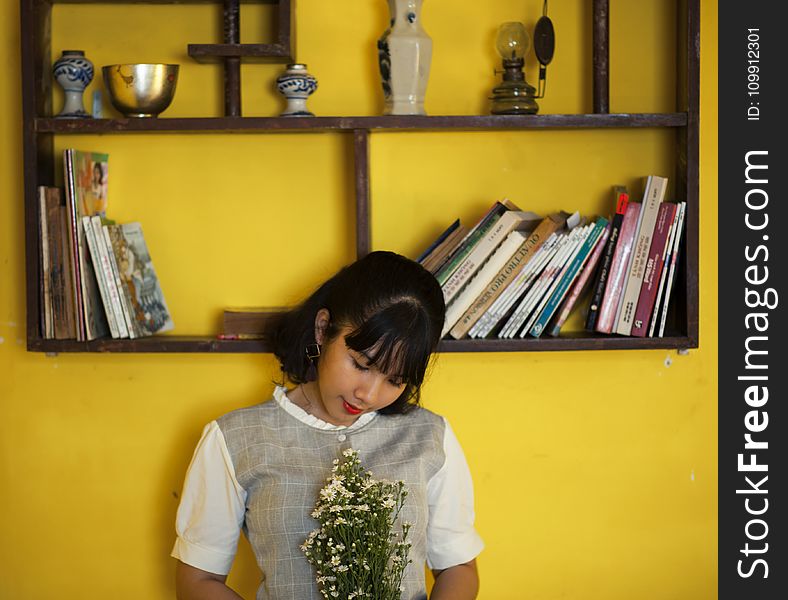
x=192 y=583
x=460 y=582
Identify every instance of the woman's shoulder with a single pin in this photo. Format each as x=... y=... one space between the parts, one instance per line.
x=418 y=415
x=248 y=416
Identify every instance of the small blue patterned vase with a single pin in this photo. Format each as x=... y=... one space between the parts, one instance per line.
x=73 y=72
x=296 y=85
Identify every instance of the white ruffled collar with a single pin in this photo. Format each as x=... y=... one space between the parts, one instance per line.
x=280 y=395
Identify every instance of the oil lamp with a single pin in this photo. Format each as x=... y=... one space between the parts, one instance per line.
x=514 y=95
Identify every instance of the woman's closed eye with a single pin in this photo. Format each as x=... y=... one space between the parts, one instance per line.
x=396 y=382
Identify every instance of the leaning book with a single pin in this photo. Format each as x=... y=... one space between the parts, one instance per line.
x=139 y=279
x=86 y=195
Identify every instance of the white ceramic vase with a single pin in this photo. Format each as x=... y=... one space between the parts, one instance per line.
x=404 y=55
x=73 y=72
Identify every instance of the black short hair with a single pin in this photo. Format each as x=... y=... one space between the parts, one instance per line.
x=395 y=311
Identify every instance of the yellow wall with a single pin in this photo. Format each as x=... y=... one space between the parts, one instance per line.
x=595 y=472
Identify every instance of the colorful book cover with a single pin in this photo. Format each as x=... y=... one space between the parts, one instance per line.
x=579 y=285
x=86 y=176
x=500 y=308
x=138 y=276
x=540 y=286
x=483 y=278
x=508 y=273
x=465 y=247
x=95 y=255
x=615 y=279
x=485 y=248
x=665 y=268
x=656 y=257
x=652 y=199
x=671 y=273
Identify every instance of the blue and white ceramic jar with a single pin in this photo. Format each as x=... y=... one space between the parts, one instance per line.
x=73 y=72
x=296 y=85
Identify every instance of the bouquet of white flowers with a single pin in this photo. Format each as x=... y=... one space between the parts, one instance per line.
x=356 y=552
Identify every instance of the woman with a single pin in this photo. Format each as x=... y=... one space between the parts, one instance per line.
x=356 y=351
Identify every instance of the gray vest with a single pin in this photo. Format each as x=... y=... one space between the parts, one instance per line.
x=283 y=463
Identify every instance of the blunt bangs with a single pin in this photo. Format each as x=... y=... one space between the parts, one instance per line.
x=396 y=340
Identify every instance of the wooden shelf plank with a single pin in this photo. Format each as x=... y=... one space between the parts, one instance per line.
x=212 y=53
x=166 y=343
x=385 y=123
x=156 y=1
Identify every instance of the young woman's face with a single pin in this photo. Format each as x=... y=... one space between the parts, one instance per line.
x=349 y=385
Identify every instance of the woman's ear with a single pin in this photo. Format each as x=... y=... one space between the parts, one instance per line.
x=322 y=319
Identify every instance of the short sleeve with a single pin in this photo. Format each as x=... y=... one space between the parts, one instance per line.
x=212 y=507
x=451 y=536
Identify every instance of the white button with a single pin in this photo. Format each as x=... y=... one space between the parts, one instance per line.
x=341 y=437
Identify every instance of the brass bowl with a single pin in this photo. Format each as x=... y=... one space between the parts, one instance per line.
x=140 y=90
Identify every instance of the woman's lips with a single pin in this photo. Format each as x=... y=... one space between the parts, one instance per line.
x=351 y=409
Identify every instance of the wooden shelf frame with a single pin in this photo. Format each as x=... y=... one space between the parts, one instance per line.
x=39 y=131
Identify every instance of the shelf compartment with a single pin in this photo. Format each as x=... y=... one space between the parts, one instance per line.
x=380 y=123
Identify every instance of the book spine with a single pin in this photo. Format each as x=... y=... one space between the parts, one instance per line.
x=664 y=273
x=522 y=296
x=439 y=240
x=109 y=277
x=128 y=311
x=70 y=328
x=569 y=275
x=534 y=294
x=73 y=244
x=482 y=279
x=57 y=271
x=45 y=294
x=615 y=279
x=480 y=253
x=652 y=198
x=95 y=256
x=513 y=288
x=656 y=257
x=519 y=259
x=469 y=241
x=549 y=298
x=580 y=284
x=435 y=261
x=671 y=274
x=598 y=288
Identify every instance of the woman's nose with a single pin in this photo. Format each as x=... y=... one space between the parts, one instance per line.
x=370 y=388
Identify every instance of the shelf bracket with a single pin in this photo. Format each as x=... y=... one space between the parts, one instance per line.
x=361 y=169
x=601 y=37
x=232 y=52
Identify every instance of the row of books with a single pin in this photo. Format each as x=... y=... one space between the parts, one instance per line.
x=515 y=273
x=97 y=276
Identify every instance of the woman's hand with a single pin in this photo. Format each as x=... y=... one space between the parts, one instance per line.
x=192 y=583
x=460 y=582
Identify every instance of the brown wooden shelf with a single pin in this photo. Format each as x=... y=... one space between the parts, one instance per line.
x=385 y=123
x=216 y=53
x=191 y=344
x=155 y=1
x=40 y=166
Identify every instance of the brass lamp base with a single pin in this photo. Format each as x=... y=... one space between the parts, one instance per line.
x=514 y=98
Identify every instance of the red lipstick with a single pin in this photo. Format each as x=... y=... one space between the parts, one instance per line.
x=351 y=409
